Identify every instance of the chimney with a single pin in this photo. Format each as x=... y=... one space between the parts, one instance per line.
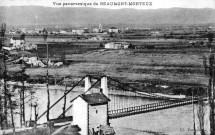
x=87 y=83
x=104 y=85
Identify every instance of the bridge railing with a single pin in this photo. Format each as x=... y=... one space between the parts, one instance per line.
x=148 y=107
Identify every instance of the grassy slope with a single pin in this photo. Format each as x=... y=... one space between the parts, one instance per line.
x=130 y=65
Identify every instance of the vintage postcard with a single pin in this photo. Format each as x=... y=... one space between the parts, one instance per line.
x=107 y=67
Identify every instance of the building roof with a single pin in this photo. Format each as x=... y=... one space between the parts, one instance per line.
x=17 y=38
x=95 y=98
x=123 y=43
x=113 y=28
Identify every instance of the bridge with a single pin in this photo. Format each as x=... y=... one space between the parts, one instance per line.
x=119 y=107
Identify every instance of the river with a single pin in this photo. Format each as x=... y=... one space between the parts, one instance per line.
x=174 y=121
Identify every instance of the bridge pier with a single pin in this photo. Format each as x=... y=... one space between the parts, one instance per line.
x=104 y=85
x=87 y=83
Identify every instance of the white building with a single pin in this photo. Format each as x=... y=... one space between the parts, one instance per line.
x=12 y=31
x=117 y=45
x=79 y=32
x=17 y=41
x=38 y=31
x=113 y=30
x=62 y=32
x=96 y=30
x=90 y=109
x=99 y=38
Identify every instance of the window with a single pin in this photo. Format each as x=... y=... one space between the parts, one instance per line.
x=96 y=111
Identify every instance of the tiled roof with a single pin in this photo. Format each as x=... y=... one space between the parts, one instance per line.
x=17 y=38
x=113 y=28
x=95 y=98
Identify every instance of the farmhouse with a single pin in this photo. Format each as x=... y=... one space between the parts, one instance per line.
x=38 y=31
x=117 y=45
x=113 y=30
x=12 y=31
x=96 y=30
x=16 y=41
x=79 y=32
x=62 y=32
x=97 y=38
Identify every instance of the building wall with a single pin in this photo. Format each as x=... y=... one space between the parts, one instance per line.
x=116 y=46
x=109 y=46
x=113 y=30
x=97 y=116
x=77 y=31
x=16 y=42
x=80 y=115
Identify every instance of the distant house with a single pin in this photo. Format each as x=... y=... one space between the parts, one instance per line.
x=155 y=33
x=96 y=30
x=86 y=30
x=54 y=32
x=12 y=31
x=79 y=32
x=38 y=31
x=117 y=45
x=97 y=38
x=62 y=32
x=90 y=111
x=113 y=30
x=17 y=41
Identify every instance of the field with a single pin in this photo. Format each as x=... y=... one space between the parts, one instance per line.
x=170 y=65
x=170 y=62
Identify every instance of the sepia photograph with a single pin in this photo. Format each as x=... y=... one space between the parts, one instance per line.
x=107 y=67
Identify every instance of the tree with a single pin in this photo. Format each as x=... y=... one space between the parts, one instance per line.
x=210 y=37
x=22 y=94
x=201 y=110
x=22 y=36
x=5 y=77
x=111 y=34
x=3 y=29
x=211 y=75
x=131 y=46
x=45 y=36
x=1 y=44
x=63 y=58
x=2 y=73
x=101 y=45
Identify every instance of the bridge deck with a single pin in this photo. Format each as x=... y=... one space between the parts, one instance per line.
x=113 y=114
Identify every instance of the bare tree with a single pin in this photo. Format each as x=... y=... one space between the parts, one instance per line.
x=4 y=109
x=201 y=111
x=1 y=89
x=5 y=77
x=11 y=112
x=66 y=82
x=211 y=83
x=45 y=36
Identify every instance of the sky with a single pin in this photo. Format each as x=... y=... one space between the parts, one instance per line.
x=152 y=4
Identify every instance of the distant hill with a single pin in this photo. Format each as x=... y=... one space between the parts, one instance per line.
x=32 y=15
